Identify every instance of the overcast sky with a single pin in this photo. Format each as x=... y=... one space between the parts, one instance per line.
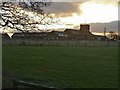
x=99 y=13
x=67 y=8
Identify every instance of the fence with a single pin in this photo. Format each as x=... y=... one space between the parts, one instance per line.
x=85 y=43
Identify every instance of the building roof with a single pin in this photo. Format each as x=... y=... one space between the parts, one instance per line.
x=73 y=31
x=59 y=33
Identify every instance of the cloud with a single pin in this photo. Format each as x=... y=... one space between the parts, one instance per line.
x=68 y=0
x=73 y=5
x=104 y=1
x=84 y=0
x=63 y=9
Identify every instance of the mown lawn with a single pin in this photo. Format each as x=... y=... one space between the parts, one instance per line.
x=78 y=67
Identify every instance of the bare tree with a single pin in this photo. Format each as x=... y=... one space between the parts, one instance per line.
x=25 y=16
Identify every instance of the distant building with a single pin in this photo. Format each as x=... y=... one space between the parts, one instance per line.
x=82 y=34
x=56 y=35
x=85 y=27
x=30 y=35
x=101 y=38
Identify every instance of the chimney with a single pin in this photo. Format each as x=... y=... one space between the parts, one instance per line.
x=85 y=27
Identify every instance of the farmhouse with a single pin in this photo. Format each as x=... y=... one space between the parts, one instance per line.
x=30 y=35
x=56 y=35
x=82 y=34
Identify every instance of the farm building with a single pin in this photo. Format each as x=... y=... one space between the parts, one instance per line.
x=83 y=33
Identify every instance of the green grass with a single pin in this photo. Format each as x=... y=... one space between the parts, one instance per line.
x=80 y=67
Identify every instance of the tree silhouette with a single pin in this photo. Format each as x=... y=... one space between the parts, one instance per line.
x=112 y=35
x=25 y=16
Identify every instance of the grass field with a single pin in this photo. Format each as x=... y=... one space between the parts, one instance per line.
x=78 y=67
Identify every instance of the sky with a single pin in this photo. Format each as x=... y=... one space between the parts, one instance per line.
x=99 y=14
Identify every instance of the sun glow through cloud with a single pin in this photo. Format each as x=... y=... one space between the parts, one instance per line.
x=94 y=12
x=97 y=12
